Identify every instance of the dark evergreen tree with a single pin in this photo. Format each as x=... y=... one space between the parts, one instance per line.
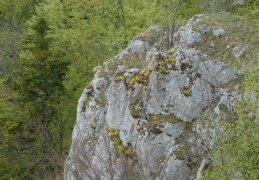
x=41 y=77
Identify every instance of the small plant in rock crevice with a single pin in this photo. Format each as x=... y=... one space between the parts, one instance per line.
x=119 y=77
x=142 y=77
x=166 y=64
x=121 y=150
x=186 y=91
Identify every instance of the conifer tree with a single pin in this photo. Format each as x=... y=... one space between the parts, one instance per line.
x=43 y=70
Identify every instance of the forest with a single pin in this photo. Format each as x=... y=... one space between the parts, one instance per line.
x=48 y=49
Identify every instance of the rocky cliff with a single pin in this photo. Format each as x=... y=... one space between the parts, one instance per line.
x=153 y=111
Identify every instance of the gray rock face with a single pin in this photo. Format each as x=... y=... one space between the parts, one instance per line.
x=218 y=32
x=154 y=122
x=187 y=35
x=239 y=50
x=238 y=2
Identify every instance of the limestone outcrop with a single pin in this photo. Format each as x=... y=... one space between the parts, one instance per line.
x=152 y=112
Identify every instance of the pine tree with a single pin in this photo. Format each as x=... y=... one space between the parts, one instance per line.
x=43 y=70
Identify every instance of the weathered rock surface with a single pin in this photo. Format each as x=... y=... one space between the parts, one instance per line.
x=155 y=119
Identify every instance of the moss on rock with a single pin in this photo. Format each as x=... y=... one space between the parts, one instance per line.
x=186 y=91
x=121 y=150
x=142 y=77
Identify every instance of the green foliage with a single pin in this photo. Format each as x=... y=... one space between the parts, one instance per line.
x=251 y=82
x=40 y=83
x=9 y=43
x=9 y=125
x=61 y=43
x=238 y=146
x=17 y=10
x=250 y=8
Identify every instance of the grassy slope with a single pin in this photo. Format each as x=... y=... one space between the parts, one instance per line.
x=239 y=31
